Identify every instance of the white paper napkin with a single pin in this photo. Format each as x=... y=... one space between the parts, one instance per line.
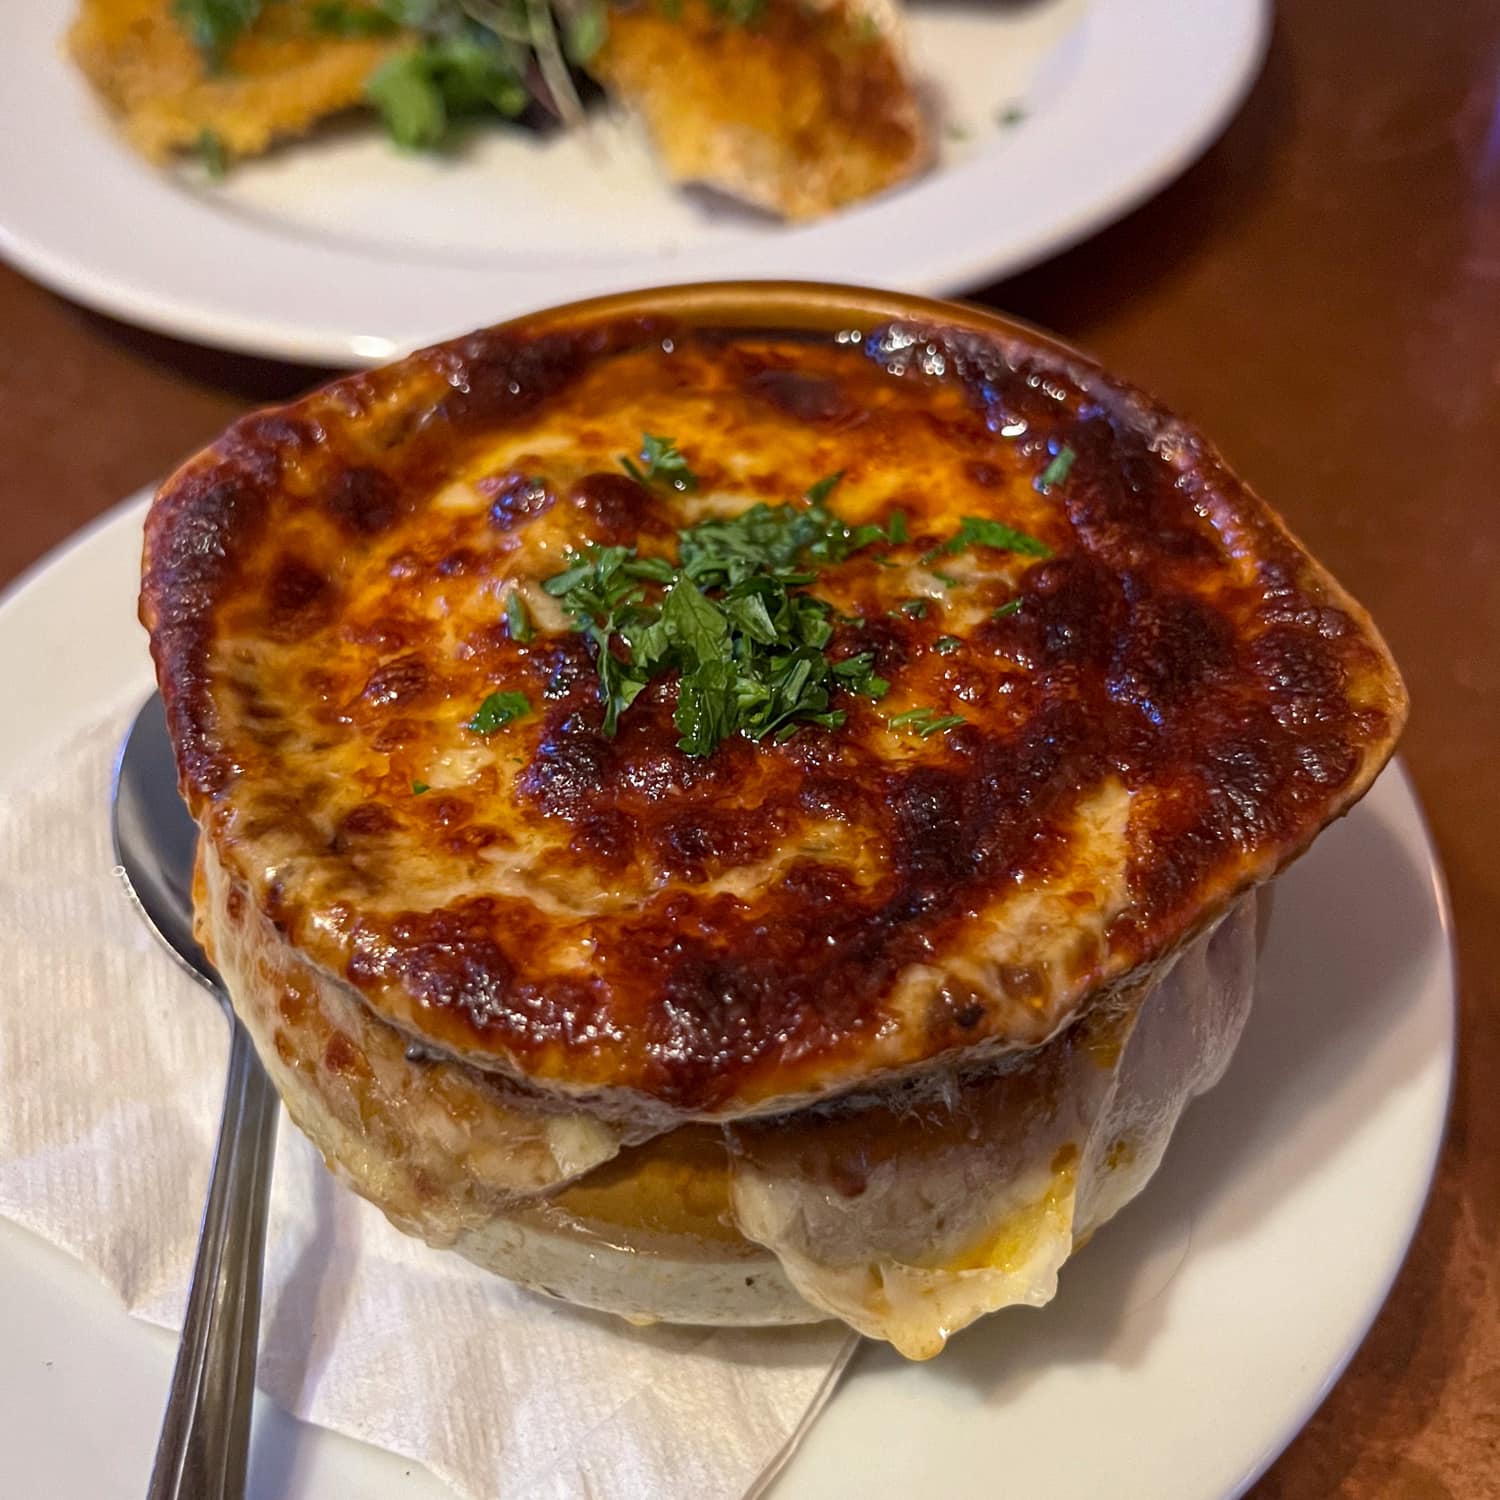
x=112 y=1065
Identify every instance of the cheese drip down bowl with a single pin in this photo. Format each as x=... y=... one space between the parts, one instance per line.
x=746 y=803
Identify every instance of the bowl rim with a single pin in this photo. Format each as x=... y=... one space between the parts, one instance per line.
x=824 y=306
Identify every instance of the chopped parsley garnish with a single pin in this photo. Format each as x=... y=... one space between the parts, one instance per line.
x=333 y=18
x=409 y=97
x=518 y=619
x=465 y=57
x=925 y=721
x=750 y=660
x=212 y=154
x=1057 y=470
x=1008 y=608
x=858 y=675
x=732 y=619
x=819 y=492
x=774 y=538
x=214 y=26
x=980 y=531
x=456 y=71
x=738 y=12
x=947 y=580
x=585 y=30
x=498 y=710
x=418 y=787
x=664 y=465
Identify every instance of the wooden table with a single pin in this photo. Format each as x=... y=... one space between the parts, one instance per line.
x=1322 y=293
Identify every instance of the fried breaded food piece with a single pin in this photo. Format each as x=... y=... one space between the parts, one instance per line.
x=279 y=79
x=806 y=109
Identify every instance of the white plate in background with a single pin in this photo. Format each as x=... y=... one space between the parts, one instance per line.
x=1188 y=1342
x=342 y=250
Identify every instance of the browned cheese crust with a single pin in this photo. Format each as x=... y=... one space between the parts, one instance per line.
x=1164 y=711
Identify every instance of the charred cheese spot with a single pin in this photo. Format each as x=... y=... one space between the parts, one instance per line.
x=615 y=510
x=1162 y=710
x=364 y=501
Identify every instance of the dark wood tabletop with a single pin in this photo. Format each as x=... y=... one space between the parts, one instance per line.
x=1321 y=292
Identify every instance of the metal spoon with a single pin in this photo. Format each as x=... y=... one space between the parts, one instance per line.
x=205 y=1433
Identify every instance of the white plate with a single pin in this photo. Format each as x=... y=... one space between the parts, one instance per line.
x=1188 y=1343
x=341 y=250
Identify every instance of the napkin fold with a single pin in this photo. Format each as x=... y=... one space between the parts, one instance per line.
x=112 y=1063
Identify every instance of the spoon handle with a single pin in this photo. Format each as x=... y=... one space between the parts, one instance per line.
x=205 y=1433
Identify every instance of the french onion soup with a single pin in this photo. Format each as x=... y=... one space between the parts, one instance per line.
x=745 y=804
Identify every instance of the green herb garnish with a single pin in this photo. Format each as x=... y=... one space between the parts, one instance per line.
x=1008 y=608
x=980 y=531
x=778 y=539
x=410 y=99
x=418 y=787
x=214 y=26
x=732 y=619
x=738 y=12
x=434 y=15
x=664 y=464
x=212 y=154
x=333 y=18
x=946 y=645
x=518 y=619
x=585 y=31
x=925 y=721
x=1057 y=470
x=915 y=609
x=819 y=492
x=857 y=673
x=467 y=55
x=498 y=710
x=604 y=593
x=947 y=580
x=420 y=91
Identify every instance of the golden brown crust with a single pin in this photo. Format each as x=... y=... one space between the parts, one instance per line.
x=1180 y=700
x=442 y=1147
x=908 y=1210
x=803 y=110
x=280 y=79
x=469 y=1163
x=808 y=108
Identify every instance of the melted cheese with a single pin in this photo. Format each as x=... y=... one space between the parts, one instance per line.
x=975 y=1204
x=1163 y=718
